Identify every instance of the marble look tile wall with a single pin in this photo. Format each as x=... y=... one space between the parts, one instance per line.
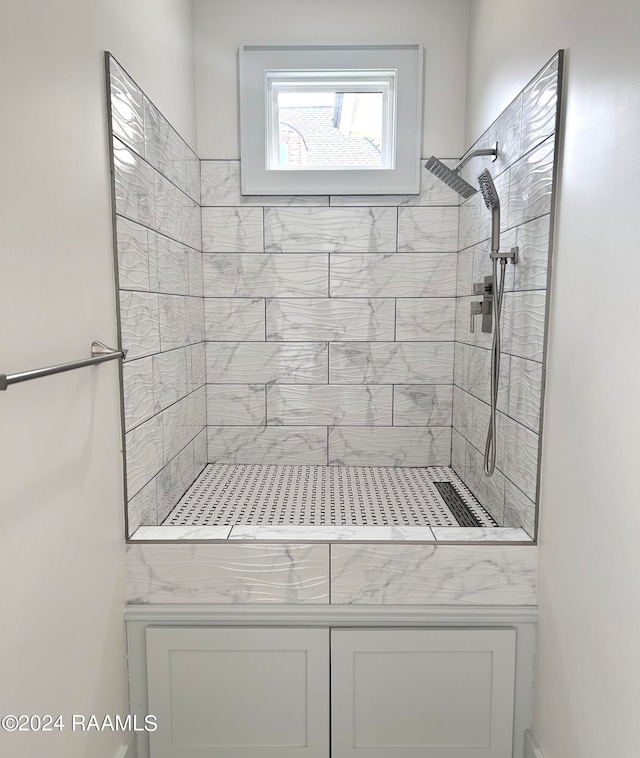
x=326 y=330
x=329 y=323
x=338 y=573
x=433 y=574
x=156 y=182
x=227 y=573
x=524 y=175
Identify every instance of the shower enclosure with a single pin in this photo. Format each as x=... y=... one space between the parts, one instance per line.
x=312 y=362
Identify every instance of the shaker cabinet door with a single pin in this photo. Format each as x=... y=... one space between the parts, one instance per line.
x=238 y=693
x=429 y=693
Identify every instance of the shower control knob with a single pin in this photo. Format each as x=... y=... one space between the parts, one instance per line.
x=485 y=289
x=476 y=310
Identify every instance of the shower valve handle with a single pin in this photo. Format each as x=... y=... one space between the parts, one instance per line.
x=484 y=288
x=476 y=310
x=485 y=307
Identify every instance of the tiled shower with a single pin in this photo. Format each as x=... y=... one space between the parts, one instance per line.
x=329 y=331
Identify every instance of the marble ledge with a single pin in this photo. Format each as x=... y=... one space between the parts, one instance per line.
x=332 y=534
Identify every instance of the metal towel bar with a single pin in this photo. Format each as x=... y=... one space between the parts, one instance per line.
x=99 y=354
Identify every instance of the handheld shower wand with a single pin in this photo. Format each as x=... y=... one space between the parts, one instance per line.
x=492 y=201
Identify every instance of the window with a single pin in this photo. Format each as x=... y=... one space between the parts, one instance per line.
x=330 y=120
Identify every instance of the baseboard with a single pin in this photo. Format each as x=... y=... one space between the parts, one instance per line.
x=128 y=750
x=531 y=747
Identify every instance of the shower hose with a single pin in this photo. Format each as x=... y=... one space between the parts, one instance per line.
x=490 y=447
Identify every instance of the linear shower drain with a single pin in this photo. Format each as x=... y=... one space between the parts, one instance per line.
x=456 y=504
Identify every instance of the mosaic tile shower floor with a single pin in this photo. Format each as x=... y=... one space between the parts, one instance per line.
x=227 y=495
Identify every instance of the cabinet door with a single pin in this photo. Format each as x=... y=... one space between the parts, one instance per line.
x=432 y=693
x=239 y=693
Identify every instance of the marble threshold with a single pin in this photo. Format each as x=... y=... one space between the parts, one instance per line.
x=239 y=533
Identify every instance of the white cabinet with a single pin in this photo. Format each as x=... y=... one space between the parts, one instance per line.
x=395 y=693
x=238 y=693
x=426 y=693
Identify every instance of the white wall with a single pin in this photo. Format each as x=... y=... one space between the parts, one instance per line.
x=587 y=690
x=221 y=26
x=62 y=642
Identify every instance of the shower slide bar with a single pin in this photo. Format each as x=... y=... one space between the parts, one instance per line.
x=99 y=354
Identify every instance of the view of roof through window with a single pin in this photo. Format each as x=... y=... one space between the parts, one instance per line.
x=330 y=129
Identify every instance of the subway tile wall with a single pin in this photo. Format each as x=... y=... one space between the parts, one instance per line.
x=329 y=325
x=524 y=175
x=156 y=181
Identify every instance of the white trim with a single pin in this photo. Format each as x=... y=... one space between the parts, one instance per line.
x=254 y=63
x=326 y=615
x=531 y=747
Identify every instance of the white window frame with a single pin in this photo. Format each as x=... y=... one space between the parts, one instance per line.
x=394 y=70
